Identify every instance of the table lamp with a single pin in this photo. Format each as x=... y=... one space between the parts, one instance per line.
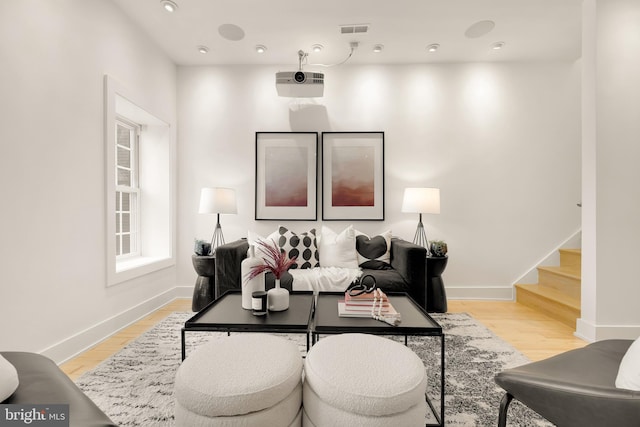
x=421 y=200
x=217 y=201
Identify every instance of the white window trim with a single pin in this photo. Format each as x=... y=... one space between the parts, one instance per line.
x=133 y=189
x=119 y=271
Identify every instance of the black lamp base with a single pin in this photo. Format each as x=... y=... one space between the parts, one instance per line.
x=420 y=238
x=218 y=238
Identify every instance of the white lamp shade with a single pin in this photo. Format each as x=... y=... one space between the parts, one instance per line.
x=421 y=200
x=218 y=201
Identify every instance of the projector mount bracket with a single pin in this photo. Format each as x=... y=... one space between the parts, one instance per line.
x=301 y=57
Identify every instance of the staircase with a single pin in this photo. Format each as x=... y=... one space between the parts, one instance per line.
x=557 y=293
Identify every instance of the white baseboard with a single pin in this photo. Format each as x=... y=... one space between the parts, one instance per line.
x=480 y=293
x=552 y=258
x=84 y=340
x=592 y=332
x=184 y=291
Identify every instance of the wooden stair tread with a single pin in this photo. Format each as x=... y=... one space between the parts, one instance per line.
x=557 y=293
x=572 y=251
x=552 y=294
x=563 y=271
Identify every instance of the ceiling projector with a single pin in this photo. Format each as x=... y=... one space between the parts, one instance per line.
x=300 y=84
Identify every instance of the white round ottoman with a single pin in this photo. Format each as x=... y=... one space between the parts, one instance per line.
x=242 y=380
x=363 y=380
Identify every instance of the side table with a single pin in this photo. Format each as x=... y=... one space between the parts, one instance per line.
x=436 y=294
x=204 y=290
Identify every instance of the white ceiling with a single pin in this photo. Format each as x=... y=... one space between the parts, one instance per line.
x=533 y=30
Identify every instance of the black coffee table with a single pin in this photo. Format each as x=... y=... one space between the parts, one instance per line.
x=227 y=315
x=318 y=316
x=415 y=322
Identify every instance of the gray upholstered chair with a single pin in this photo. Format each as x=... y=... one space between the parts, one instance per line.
x=575 y=388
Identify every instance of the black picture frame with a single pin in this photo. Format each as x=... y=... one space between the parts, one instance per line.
x=286 y=191
x=353 y=176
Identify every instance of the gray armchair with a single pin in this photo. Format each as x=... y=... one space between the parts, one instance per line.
x=575 y=388
x=42 y=382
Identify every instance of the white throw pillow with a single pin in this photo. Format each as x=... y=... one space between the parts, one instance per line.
x=253 y=238
x=8 y=379
x=338 y=250
x=629 y=370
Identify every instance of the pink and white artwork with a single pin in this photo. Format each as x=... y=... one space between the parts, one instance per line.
x=285 y=170
x=352 y=176
x=286 y=176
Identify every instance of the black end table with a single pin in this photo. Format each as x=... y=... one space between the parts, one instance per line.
x=436 y=294
x=204 y=290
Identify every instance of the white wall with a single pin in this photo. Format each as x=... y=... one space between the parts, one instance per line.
x=610 y=303
x=501 y=141
x=52 y=245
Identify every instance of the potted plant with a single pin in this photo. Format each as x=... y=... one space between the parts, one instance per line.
x=438 y=248
x=201 y=247
x=277 y=262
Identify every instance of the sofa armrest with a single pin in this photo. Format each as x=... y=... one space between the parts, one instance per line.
x=228 y=262
x=42 y=382
x=409 y=260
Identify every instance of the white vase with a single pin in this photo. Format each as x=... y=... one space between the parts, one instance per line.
x=278 y=298
x=255 y=284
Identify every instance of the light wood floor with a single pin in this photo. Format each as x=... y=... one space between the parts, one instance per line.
x=534 y=334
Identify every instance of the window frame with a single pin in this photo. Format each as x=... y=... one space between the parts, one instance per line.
x=133 y=189
x=157 y=169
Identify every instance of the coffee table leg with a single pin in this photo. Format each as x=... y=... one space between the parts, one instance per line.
x=442 y=381
x=439 y=419
x=183 y=344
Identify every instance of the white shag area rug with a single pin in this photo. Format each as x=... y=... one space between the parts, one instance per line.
x=135 y=386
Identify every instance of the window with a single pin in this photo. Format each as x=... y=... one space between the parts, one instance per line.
x=140 y=200
x=127 y=191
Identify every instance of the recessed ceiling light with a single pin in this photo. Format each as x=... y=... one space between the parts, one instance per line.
x=203 y=49
x=260 y=48
x=433 y=47
x=169 y=5
x=497 y=45
x=317 y=47
x=378 y=48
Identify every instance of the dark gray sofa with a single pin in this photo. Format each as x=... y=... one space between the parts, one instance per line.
x=407 y=272
x=41 y=381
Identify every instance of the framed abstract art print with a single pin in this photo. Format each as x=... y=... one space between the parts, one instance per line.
x=286 y=176
x=353 y=176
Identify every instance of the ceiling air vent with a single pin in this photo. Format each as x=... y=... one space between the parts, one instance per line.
x=354 y=29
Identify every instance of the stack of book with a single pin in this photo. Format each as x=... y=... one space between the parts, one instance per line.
x=363 y=306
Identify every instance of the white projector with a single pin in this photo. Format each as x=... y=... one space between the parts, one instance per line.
x=300 y=84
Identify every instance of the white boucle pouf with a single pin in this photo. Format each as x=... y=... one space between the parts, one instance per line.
x=244 y=379
x=277 y=415
x=358 y=380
